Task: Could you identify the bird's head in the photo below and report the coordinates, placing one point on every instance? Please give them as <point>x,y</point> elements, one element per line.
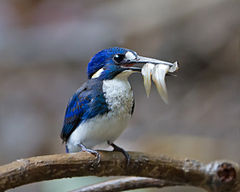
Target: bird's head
<point>109,63</point>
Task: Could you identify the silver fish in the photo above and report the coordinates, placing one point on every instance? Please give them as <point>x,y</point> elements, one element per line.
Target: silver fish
<point>147,73</point>
<point>157,73</point>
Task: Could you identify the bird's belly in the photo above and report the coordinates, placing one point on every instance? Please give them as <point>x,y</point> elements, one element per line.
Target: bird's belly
<point>98,130</point>
<point>109,126</point>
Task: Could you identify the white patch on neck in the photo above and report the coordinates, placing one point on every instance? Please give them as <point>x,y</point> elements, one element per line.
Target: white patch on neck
<point>130,56</point>
<point>97,74</point>
<point>124,75</point>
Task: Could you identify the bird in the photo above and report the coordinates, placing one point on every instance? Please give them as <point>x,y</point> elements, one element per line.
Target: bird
<point>99,111</point>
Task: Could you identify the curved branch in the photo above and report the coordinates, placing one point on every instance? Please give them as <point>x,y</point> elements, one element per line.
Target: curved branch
<point>218,175</point>
<point>126,183</point>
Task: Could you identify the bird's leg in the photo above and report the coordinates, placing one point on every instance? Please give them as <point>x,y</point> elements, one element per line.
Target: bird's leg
<point>98,157</point>
<point>119,149</point>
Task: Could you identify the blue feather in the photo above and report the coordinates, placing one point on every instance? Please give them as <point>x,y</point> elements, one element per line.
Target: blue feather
<point>87,102</point>
<point>104,57</point>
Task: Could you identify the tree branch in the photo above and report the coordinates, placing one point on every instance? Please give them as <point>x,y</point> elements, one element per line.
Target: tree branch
<point>215,176</point>
<point>126,183</point>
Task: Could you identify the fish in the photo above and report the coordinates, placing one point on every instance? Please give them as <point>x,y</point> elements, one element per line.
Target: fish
<point>157,73</point>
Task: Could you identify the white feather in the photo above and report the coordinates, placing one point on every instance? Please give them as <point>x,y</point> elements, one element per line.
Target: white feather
<point>129,55</point>
<point>98,73</point>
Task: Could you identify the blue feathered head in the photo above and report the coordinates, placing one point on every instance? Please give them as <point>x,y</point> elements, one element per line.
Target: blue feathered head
<point>107,63</point>
<point>109,56</point>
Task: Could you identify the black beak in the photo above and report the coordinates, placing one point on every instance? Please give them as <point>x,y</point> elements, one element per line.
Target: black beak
<point>143,60</point>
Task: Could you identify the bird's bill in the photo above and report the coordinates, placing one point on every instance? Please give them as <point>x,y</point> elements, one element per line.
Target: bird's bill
<point>140,60</point>
<point>143,60</point>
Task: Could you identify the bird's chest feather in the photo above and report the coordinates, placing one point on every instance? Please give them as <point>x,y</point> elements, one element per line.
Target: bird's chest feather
<point>107,127</point>
<point>119,96</point>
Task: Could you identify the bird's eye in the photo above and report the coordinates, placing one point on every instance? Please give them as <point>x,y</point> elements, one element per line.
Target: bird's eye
<point>118,58</point>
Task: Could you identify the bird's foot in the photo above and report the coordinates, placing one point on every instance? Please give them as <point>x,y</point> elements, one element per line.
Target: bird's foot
<point>97,155</point>
<point>119,149</point>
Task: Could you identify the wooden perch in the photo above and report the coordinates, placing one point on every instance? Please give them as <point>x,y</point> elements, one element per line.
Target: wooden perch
<point>216,176</point>
<point>126,183</point>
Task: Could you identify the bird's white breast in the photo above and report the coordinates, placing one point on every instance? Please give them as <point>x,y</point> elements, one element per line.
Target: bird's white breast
<point>107,127</point>
<point>119,95</point>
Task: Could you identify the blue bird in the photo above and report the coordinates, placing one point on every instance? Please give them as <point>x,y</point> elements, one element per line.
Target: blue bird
<point>100,109</point>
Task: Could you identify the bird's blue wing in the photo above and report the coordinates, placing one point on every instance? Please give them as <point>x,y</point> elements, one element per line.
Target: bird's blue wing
<point>87,102</point>
<point>74,112</point>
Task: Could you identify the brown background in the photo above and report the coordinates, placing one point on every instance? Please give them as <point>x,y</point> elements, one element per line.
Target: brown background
<point>45,46</point>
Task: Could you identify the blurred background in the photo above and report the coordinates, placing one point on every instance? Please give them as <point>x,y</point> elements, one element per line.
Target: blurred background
<point>45,46</point>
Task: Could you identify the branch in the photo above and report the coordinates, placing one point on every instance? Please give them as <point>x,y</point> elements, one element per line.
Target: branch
<point>126,183</point>
<point>216,176</point>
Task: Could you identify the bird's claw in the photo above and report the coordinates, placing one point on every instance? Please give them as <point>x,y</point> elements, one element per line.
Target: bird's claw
<point>97,160</point>
<point>119,149</point>
<point>97,155</point>
<point>127,156</point>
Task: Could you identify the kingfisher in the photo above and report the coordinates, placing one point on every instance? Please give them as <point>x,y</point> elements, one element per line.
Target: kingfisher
<point>100,109</point>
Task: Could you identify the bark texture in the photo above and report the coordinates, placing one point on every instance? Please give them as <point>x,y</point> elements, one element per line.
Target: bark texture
<point>216,176</point>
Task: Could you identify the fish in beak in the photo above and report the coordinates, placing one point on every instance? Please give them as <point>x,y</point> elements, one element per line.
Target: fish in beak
<point>155,70</point>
